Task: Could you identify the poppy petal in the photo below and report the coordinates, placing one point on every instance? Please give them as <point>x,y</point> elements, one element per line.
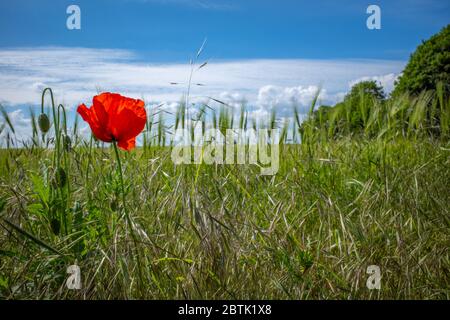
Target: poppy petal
<point>127,144</point>
<point>129,119</point>
<point>115,117</point>
<point>107,103</point>
<point>84,112</point>
<point>100,109</point>
<point>96,127</point>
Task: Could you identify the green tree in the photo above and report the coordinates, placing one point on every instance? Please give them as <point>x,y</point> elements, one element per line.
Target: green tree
<point>359,103</point>
<point>350,115</point>
<point>428,65</point>
<point>366,88</point>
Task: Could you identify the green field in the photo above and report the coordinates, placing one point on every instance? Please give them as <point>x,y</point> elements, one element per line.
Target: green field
<point>341,201</point>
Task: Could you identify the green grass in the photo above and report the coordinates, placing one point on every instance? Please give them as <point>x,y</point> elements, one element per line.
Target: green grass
<point>335,207</point>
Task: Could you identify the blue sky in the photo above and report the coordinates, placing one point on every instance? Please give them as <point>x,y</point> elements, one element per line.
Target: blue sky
<point>170,30</point>
<point>268,53</point>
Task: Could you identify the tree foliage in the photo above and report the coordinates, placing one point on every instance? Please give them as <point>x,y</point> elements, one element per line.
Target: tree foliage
<point>428,65</point>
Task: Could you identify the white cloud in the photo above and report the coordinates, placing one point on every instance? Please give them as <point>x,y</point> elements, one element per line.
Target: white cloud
<point>387,81</point>
<point>18,119</point>
<point>21,125</point>
<point>281,97</point>
<point>234,99</point>
<point>77,74</point>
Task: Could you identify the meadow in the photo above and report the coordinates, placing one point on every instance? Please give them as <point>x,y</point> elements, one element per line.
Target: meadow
<point>144,228</point>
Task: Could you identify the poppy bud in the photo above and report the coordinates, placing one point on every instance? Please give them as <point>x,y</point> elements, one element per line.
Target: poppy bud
<point>44,122</point>
<point>59,178</point>
<point>67,142</point>
<point>55,225</point>
<point>113,205</point>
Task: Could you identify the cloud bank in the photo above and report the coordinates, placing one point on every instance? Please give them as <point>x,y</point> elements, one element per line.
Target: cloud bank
<point>76,74</point>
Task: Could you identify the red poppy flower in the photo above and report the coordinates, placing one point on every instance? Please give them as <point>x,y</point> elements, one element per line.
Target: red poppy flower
<point>115,117</point>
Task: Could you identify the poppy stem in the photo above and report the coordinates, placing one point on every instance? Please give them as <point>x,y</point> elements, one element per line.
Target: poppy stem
<point>127,216</point>
<point>119,164</point>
